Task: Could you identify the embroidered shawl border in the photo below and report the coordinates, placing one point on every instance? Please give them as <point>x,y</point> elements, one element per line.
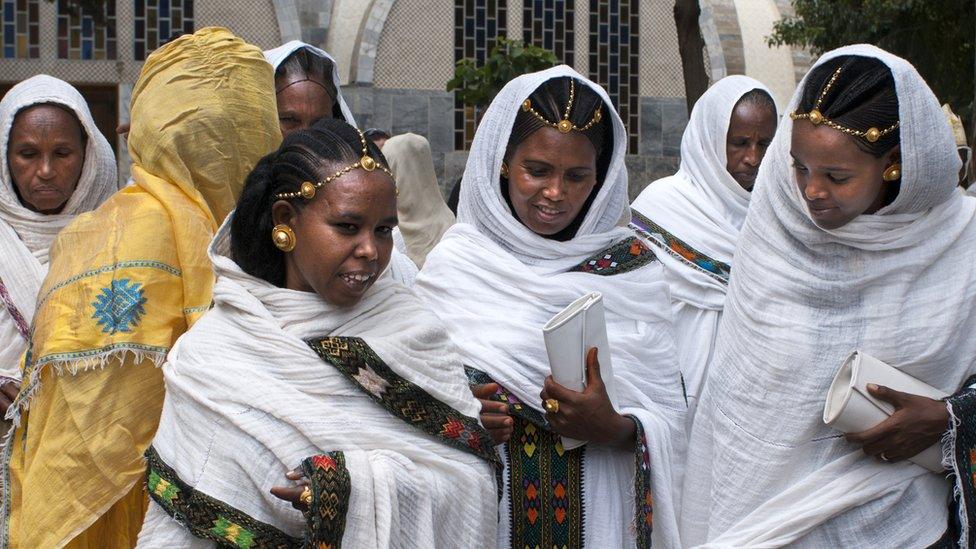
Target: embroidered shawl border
<point>405,400</point>
<point>207,517</point>
<point>679,249</point>
<point>960,447</point>
<point>624,256</point>
<point>19,319</point>
<point>331,486</point>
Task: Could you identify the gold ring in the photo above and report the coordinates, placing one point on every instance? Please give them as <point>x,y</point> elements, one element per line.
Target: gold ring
<point>551,405</point>
<point>306,496</point>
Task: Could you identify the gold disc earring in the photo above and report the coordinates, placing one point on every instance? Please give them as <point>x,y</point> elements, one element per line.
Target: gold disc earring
<point>505,170</point>
<point>283,237</point>
<point>892,173</point>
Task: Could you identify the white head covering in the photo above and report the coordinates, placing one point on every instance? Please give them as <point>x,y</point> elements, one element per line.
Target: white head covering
<point>702,204</point>
<point>494,283</point>
<point>25,235</point>
<point>278,55</point>
<point>899,285</point>
<point>483,206</point>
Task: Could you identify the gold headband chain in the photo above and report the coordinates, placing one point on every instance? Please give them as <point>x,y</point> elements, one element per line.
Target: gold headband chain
<point>366,162</point>
<point>816,117</point>
<point>565,125</point>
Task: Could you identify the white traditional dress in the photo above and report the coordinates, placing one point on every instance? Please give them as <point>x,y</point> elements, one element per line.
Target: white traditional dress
<point>693,218</point>
<point>900,285</point>
<point>495,283</point>
<point>271,377</point>
<point>25,235</point>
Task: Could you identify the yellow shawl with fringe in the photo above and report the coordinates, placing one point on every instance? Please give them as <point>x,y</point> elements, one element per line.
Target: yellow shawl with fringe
<point>125,282</point>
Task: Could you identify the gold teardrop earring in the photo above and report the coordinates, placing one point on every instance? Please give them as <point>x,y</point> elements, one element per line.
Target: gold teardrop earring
<point>505,170</point>
<point>283,237</point>
<point>892,173</point>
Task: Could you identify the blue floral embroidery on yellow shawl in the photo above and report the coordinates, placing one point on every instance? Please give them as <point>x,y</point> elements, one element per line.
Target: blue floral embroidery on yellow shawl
<point>120,306</point>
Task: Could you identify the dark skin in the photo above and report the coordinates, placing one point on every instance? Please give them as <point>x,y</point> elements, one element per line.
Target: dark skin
<point>344,238</point>
<point>551,174</point>
<point>918,422</point>
<point>751,130</point>
<point>302,104</point>
<point>46,154</point>
<point>7,395</point>
<point>838,180</point>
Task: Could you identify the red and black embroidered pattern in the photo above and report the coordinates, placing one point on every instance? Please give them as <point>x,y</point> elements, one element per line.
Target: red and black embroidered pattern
<point>19,320</point>
<point>624,256</point>
<point>331,486</point>
<point>644,520</point>
<point>207,517</point>
<point>405,400</point>
<point>679,249</point>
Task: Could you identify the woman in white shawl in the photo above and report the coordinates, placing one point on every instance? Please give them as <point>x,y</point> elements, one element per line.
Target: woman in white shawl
<point>55,165</point>
<point>861,241</point>
<point>307,89</point>
<point>542,221</point>
<point>695,215</point>
<point>313,356</point>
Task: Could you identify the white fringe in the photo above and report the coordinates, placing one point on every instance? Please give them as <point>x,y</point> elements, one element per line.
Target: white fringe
<point>948,443</point>
<point>72,367</point>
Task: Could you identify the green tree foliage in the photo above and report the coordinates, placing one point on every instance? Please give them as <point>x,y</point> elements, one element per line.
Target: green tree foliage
<point>507,59</point>
<point>937,36</point>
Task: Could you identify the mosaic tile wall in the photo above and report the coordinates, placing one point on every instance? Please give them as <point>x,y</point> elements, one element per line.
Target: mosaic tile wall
<point>19,32</point>
<point>549,24</point>
<point>477,24</point>
<point>157,21</point>
<point>82,35</point>
<point>613,51</point>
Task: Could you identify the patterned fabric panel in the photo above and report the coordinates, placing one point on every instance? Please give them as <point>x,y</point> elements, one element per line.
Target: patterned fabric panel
<point>515,406</point>
<point>8,304</point>
<point>358,363</point>
<point>644,519</point>
<point>207,517</point>
<point>679,249</point>
<point>624,256</point>
<point>331,486</point>
<point>546,483</point>
<point>964,504</point>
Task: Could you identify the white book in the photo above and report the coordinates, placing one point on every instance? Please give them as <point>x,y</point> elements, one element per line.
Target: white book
<point>569,336</point>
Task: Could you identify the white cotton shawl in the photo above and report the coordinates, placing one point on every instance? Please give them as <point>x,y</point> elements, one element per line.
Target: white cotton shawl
<point>247,400</point>
<point>278,55</point>
<point>702,204</point>
<point>25,235</point>
<point>764,470</point>
<point>495,283</point>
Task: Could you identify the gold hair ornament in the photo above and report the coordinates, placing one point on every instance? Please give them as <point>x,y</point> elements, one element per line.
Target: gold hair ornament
<point>816,117</point>
<point>565,125</point>
<point>366,162</point>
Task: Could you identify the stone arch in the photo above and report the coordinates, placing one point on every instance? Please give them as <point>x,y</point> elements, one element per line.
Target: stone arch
<point>364,60</point>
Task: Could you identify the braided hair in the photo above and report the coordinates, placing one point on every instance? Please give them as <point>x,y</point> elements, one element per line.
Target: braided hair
<point>862,97</point>
<point>306,155</point>
<point>303,63</point>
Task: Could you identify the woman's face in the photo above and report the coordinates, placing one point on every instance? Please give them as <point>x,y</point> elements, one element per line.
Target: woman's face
<point>46,154</point>
<point>343,236</point>
<point>551,174</point>
<point>751,130</point>
<point>837,179</point>
<point>301,104</point>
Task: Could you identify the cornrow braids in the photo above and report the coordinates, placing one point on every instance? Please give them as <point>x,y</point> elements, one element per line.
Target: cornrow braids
<point>862,96</point>
<point>304,64</point>
<point>306,155</point>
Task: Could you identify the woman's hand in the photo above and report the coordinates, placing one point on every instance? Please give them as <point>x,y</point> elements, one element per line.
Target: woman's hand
<point>588,415</point>
<point>918,422</point>
<point>292,494</point>
<point>8,392</point>
<point>494,414</point>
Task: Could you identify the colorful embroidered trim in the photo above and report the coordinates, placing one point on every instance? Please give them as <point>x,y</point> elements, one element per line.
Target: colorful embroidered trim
<point>331,486</point>
<point>679,249</point>
<point>545,480</point>
<point>624,256</point>
<point>19,320</point>
<point>644,519</point>
<point>206,517</point>
<point>358,363</point>
<point>138,263</point>
<point>546,488</point>
<point>963,507</point>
